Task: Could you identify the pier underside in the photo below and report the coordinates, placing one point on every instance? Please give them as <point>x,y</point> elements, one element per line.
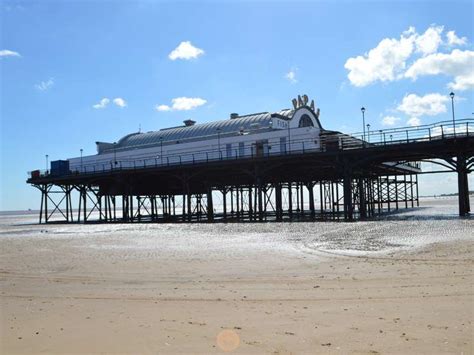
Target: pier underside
<point>288,201</point>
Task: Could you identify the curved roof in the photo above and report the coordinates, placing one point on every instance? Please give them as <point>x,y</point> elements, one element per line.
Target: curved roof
<point>255,122</point>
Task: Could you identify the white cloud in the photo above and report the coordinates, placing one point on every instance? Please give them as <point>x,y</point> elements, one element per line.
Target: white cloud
<point>120,102</point>
<point>45,85</point>
<point>162,108</point>
<point>389,60</point>
<point>291,76</point>
<point>102,104</point>
<point>9,53</point>
<point>187,103</point>
<point>430,105</point>
<point>185,50</point>
<point>414,121</point>
<point>383,63</point>
<point>459,64</point>
<point>390,120</point>
<point>429,41</point>
<point>182,104</point>
<point>454,40</point>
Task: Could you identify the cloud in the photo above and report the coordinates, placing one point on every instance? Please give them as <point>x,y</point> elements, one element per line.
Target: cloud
<point>9,53</point>
<point>458,64</point>
<point>45,85</point>
<point>120,102</point>
<point>383,63</point>
<point>291,76</point>
<point>182,104</point>
<point>429,41</point>
<point>102,104</point>
<point>390,120</point>
<point>428,105</point>
<point>106,101</point>
<point>413,55</point>
<point>162,108</point>
<point>185,50</point>
<point>414,121</point>
<point>454,40</point>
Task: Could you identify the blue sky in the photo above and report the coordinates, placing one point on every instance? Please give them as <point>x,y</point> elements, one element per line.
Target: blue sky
<point>60,60</point>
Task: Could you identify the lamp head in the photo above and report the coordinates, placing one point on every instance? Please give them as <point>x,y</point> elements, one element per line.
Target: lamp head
<point>451,94</point>
<point>362,109</point>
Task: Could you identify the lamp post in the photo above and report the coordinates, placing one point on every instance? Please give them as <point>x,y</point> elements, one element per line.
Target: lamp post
<point>452,110</point>
<point>47,156</point>
<point>81,159</point>
<point>368,132</point>
<point>363,121</point>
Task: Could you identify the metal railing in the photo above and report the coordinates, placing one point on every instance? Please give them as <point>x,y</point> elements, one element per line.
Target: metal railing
<point>402,135</point>
<point>327,142</point>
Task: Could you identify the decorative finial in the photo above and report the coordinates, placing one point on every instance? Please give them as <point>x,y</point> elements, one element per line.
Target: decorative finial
<point>295,103</point>
<point>305,100</point>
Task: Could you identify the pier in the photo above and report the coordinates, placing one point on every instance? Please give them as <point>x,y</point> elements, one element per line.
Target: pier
<point>351,177</point>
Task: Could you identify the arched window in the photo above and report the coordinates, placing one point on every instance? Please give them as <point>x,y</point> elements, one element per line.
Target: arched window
<point>305,121</point>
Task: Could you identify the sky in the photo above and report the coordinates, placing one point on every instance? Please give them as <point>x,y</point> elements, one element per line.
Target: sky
<point>76,72</point>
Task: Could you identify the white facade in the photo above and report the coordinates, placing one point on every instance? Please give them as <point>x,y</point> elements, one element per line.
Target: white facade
<point>287,132</point>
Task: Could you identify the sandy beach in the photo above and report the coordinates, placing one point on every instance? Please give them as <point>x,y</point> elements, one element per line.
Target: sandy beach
<point>401,285</point>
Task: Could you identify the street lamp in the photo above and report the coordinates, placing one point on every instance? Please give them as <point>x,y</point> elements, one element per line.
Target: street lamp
<point>47,156</point>
<point>363,121</point>
<point>81,159</point>
<point>452,109</point>
<point>368,132</point>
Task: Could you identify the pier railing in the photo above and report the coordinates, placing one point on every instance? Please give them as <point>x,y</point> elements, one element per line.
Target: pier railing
<point>402,135</point>
<point>329,141</point>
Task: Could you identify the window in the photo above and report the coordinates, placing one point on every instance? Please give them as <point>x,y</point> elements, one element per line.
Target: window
<point>305,121</point>
<point>283,145</point>
<point>241,149</point>
<point>228,148</point>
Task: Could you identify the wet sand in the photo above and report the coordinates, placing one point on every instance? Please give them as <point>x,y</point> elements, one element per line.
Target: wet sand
<point>366,287</point>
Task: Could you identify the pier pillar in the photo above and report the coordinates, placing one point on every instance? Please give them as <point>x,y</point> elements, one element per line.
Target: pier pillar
<point>278,202</point>
<point>463,186</point>
<point>260,199</point>
<point>290,200</point>
<point>84,203</point>
<point>310,186</point>
<point>224,202</point>
<point>362,199</point>
<point>210,207</point>
<point>347,187</point>
<point>250,204</point>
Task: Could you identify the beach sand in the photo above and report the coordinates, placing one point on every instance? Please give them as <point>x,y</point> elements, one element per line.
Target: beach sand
<point>403,285</point>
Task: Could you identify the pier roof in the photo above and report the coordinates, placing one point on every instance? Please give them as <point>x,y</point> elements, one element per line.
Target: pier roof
<point>258,122</point>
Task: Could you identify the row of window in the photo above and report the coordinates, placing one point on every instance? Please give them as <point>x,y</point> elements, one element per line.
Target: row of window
<point>257,147</point>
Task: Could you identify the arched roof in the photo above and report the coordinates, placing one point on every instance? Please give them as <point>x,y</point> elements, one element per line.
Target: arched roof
<point>256,123</point>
